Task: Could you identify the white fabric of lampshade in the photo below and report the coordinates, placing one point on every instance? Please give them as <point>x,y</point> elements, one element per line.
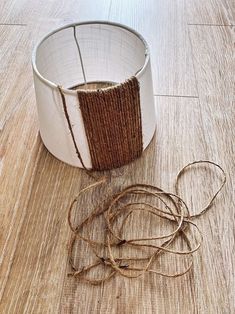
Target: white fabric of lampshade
<point>110,52</point>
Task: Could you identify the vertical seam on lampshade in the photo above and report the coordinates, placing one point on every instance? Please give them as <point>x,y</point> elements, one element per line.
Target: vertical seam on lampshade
<point>113,126</point>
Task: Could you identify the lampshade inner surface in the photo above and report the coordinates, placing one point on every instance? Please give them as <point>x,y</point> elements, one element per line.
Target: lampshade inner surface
<point>107,52</point>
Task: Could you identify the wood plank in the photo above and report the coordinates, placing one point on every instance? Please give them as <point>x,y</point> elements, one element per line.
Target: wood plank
<point>37,268</point>
<point>214,68</point>
<point>17,158</point>
<point>13,61</point>
<point>29,11</point>
<point>20,146</point>
<point>22,160</point>
<point>164,25</point>
<point>214,12</point>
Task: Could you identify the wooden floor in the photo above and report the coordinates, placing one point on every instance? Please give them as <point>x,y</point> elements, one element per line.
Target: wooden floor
<point>192,51</point>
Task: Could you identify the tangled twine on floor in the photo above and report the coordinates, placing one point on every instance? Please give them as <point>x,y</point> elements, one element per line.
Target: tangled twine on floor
<point>178,214</point>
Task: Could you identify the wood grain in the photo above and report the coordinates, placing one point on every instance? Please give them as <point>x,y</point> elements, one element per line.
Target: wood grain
<point>188,60</point>
<point>164,25</point>
<point>12,66</point>
<point>29,11</point>
<point>211,12</point>
<point>214,69</point>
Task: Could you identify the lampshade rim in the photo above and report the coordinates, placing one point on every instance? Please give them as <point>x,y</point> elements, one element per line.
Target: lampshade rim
<point>73,92</point>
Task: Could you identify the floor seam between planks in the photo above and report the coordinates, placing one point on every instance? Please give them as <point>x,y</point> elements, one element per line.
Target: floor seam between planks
<point>13,24</point>
<point>203,24</point>
<point>178,96</point>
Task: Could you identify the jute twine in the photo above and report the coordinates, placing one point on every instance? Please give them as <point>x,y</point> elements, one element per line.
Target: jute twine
<point>120,205</point>
<point>112,121</point>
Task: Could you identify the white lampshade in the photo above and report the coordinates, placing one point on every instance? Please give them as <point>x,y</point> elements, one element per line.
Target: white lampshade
<point>110,52</point>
